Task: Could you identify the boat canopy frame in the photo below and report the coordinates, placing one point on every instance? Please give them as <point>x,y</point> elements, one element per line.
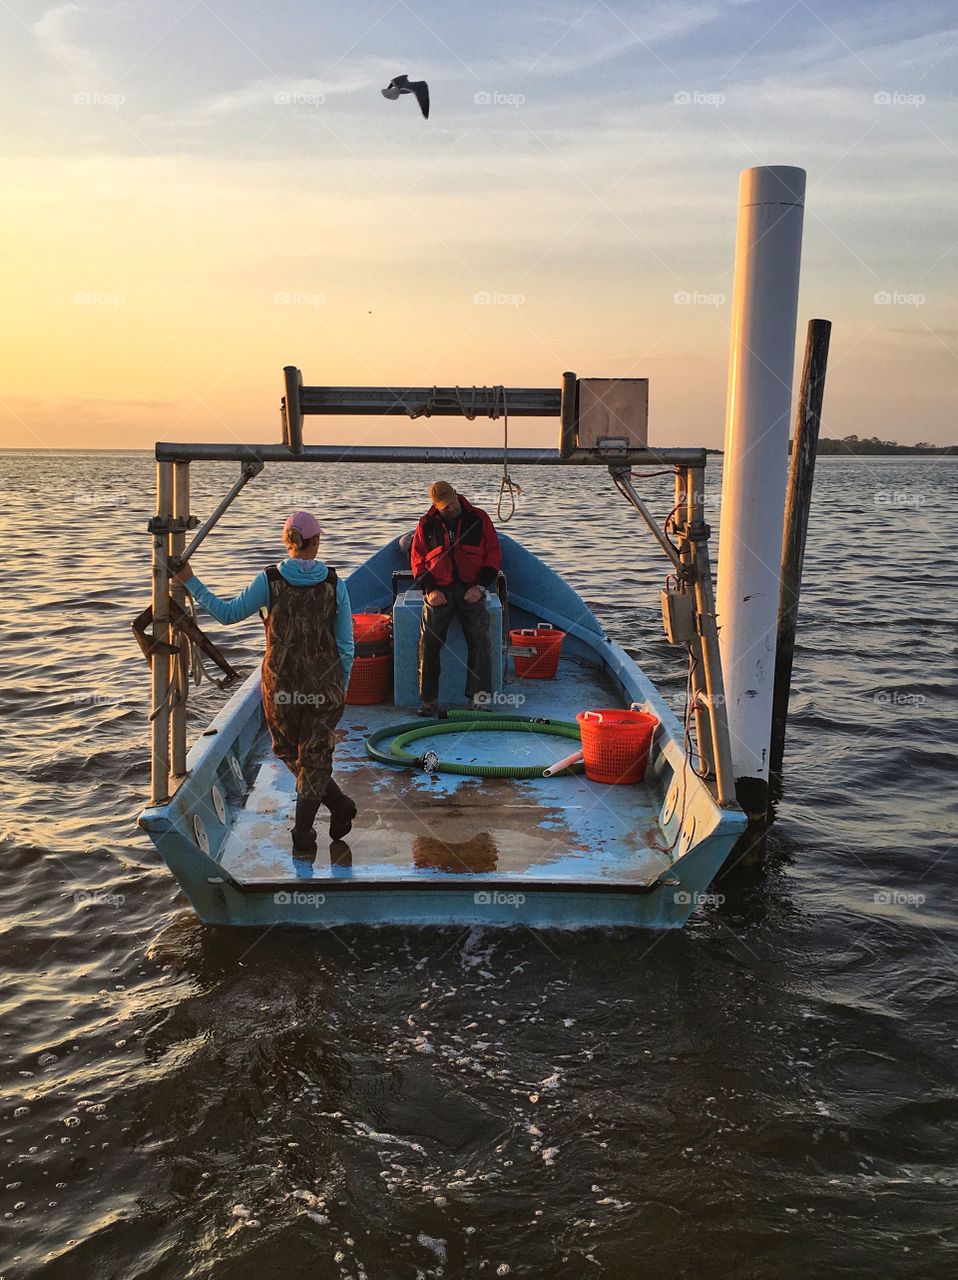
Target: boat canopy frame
<point>688,554</point>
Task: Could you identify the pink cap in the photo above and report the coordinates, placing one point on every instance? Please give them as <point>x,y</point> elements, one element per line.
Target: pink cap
<point>306,524</point>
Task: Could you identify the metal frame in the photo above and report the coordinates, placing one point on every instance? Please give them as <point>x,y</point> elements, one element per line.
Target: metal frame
<point>169,451</point>
<point>160,667</point>
<point>523,402</point>
<point>689,557</point>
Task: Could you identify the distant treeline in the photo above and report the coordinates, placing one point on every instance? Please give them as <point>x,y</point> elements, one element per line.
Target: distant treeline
<point>871,444</point>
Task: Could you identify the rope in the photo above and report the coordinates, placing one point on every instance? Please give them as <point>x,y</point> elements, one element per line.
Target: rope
<point>177,690</point>
<point>687,718</point>
<point>690,705</point>
<point>165,703</point>
<point>496,406</point>
<point>189,662</point>
<point>197,671</point>
<point>188,665</point>
<point>506,485</point>
<point>426,410</point>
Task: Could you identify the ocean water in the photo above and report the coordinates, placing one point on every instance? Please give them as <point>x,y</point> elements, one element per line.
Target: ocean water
<point>771,1092</point>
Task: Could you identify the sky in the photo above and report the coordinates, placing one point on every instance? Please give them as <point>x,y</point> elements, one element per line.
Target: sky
<point>195,194</point>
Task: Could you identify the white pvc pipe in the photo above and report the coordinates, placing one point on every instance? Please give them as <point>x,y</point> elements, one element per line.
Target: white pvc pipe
<point>764,308</point>
<point>565,763</point>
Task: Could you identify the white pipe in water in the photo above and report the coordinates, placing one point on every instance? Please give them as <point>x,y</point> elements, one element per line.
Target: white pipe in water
<point>764,308</point>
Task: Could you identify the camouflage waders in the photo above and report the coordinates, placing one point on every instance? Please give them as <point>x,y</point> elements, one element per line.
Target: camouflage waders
<point>303,695</point>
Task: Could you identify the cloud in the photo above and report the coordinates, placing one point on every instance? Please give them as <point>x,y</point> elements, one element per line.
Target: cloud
<point>267,92</point>
<point>53,35</point>
<point>597,35</point>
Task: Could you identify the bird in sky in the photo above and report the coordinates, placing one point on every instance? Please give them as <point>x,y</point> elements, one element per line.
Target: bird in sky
<point>402,84</point>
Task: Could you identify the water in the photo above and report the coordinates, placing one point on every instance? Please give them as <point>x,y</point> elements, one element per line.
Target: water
<point>771,1092</point>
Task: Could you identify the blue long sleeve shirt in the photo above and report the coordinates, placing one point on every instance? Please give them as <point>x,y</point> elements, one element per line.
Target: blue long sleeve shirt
<point>256,597</point>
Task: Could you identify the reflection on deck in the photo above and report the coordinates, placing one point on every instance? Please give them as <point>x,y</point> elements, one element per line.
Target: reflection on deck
<point>415,829</point>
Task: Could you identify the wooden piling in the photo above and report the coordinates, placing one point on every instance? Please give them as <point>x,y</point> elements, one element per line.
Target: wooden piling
<point>808,416</point>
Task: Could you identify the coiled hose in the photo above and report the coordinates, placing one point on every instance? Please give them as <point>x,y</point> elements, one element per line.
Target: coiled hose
<point>467,722</point>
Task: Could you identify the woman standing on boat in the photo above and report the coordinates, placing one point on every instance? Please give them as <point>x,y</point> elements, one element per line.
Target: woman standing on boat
<point>309,655</point>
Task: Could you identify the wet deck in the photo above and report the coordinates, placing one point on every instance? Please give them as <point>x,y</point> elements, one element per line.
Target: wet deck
<point>415,829</point>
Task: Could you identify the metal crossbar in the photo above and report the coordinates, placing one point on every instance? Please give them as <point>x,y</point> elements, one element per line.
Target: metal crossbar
<point>524,402</point>
<point>174,451</point>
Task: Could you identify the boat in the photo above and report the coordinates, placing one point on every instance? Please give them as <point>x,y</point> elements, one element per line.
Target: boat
<point>431,847</point>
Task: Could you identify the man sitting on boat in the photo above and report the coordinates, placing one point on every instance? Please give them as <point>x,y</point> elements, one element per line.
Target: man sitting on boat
<point>306,666</point>
<point>455,557</point>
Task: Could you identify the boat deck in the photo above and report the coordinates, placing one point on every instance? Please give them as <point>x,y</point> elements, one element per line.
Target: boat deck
<point>419,830</point>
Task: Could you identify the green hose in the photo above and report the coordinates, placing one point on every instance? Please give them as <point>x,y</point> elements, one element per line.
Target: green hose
<point>466,721</point>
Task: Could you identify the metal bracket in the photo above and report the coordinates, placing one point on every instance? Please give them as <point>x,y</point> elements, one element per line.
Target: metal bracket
<point>172,524</point>
<point>250,468</point>
<point>183,623</point>
<point>146,641</point>
<point>622,479</point>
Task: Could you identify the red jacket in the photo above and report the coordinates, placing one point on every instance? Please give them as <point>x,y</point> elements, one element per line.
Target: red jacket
<point>476,553</point>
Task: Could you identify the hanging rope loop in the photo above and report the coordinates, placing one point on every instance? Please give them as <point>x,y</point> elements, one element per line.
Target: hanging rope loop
<point>496,406</point>
<point>507,486</point>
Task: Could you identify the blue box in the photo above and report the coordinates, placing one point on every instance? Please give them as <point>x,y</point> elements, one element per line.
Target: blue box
<point>407,613</point>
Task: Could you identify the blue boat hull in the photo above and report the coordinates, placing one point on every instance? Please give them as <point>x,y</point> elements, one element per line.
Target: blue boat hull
<point>428,850</point>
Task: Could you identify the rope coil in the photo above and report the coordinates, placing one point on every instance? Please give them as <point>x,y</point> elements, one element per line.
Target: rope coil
<point>496,406</point>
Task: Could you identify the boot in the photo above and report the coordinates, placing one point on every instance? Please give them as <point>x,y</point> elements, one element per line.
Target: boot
<point>341,808</point>
<point>304,844</point>
<point>304,833</point>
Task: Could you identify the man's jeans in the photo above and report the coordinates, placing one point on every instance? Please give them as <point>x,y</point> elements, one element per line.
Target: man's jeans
<point>432,634</point>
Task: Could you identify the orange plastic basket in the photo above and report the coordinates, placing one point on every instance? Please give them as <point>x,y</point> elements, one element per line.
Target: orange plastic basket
<point>372,628</point>
<point>370,680</point>
<point>547,643</point>
<point>616,744</point>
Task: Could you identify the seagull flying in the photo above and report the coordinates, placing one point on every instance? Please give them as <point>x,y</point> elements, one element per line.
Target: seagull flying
<point>402,84</point>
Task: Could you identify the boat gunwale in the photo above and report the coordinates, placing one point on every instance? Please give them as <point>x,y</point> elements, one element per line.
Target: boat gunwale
<point>238,728</point>
<point>450,883</point>
<point>213,745</point>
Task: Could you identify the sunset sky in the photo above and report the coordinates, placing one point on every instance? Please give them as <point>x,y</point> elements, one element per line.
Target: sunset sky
<point>196,194</point>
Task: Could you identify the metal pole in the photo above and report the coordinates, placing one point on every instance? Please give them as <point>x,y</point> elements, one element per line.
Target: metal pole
<point>181,675</point>
<point>568,415</point>
<point>764,306</point>
<point>160,666</point>
<point>444,455</point>
<point>808,417</point>
<point>698,532</point>
<point>293,433</point>
<point>703,725</point>
<point>249,471</point>
<point>623,482</point>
